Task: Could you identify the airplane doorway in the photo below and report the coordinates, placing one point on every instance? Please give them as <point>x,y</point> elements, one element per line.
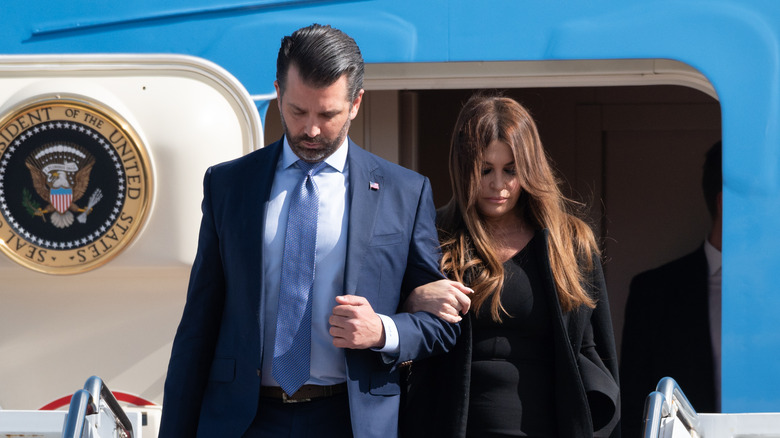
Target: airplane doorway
<point>631,153</point>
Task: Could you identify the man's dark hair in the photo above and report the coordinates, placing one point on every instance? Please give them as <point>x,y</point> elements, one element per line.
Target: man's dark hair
<point>322,55</point>
<point>712,177</point>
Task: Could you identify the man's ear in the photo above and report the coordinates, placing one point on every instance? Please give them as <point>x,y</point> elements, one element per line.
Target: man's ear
<point>278,95</point>
<point>353,111</point>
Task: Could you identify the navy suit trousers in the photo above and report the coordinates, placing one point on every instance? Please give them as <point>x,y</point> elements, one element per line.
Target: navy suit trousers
<point>326,417</point>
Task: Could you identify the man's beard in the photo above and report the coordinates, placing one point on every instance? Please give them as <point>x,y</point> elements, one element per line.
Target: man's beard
<point>326,146</point>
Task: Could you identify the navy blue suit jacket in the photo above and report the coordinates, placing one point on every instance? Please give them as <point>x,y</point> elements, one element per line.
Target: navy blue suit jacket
<point>213,377</point>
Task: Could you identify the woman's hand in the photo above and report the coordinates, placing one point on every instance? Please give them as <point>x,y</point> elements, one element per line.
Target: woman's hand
<point>446,299</point>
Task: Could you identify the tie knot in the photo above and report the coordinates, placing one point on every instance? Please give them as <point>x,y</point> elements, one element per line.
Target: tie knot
<point>310,169</point>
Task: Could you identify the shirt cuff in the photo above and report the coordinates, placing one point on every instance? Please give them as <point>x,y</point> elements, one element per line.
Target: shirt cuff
<point>392,344</point>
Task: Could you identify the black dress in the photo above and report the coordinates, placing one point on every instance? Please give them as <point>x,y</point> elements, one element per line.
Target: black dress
<point>512,364</point>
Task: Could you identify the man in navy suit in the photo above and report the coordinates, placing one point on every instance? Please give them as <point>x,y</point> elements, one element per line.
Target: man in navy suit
<point>673,319</point>
<point>375,241</point>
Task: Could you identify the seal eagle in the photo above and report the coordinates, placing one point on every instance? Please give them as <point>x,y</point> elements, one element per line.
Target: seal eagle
<point>60,174</point>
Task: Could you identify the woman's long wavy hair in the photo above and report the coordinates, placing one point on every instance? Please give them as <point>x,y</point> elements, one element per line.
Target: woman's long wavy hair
<point>467,244</point>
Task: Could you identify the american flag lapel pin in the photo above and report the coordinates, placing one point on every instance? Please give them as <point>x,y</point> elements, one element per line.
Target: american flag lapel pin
<point>373,185</point>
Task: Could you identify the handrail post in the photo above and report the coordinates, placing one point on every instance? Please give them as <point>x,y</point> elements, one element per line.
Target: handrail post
<point>100,392</point>
<point>671,390</point>
<point>81,405</point>
<point>655,409</point>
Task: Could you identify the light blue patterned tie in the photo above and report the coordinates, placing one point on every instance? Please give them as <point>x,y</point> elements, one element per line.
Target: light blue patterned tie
<point>292,347</point>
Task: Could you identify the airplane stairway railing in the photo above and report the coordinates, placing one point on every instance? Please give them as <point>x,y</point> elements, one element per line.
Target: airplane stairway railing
<point>669,414</point>
<point>96,408</point>
<point>666,403</point>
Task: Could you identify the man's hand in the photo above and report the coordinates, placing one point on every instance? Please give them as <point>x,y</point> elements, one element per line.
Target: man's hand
<point>446,299</point>
<point>354,324</point>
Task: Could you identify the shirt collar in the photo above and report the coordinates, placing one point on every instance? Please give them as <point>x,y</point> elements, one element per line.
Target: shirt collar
<point>337,160</point>
<point>713,257</point>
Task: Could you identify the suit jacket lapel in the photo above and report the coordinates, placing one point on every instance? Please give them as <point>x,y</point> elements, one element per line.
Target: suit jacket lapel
<point>258,194</point>
<point>364,202</point>
<point>266,160</point>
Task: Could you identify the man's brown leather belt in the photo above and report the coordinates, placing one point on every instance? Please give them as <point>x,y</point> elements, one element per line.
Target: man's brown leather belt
<point>304,394</point>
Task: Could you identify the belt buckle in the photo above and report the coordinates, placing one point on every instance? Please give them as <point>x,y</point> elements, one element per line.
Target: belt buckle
<point>287,399</point>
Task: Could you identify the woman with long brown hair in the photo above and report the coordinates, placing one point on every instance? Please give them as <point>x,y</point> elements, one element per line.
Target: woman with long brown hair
<point>537,354</point>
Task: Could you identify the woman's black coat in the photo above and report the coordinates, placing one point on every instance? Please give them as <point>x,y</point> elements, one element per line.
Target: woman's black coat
<point>586,371</point>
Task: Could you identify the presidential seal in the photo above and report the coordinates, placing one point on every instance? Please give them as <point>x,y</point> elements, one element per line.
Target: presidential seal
<point>75,185</point>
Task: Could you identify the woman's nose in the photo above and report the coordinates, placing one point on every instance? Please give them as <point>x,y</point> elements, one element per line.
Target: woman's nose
<point>495,181</point>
